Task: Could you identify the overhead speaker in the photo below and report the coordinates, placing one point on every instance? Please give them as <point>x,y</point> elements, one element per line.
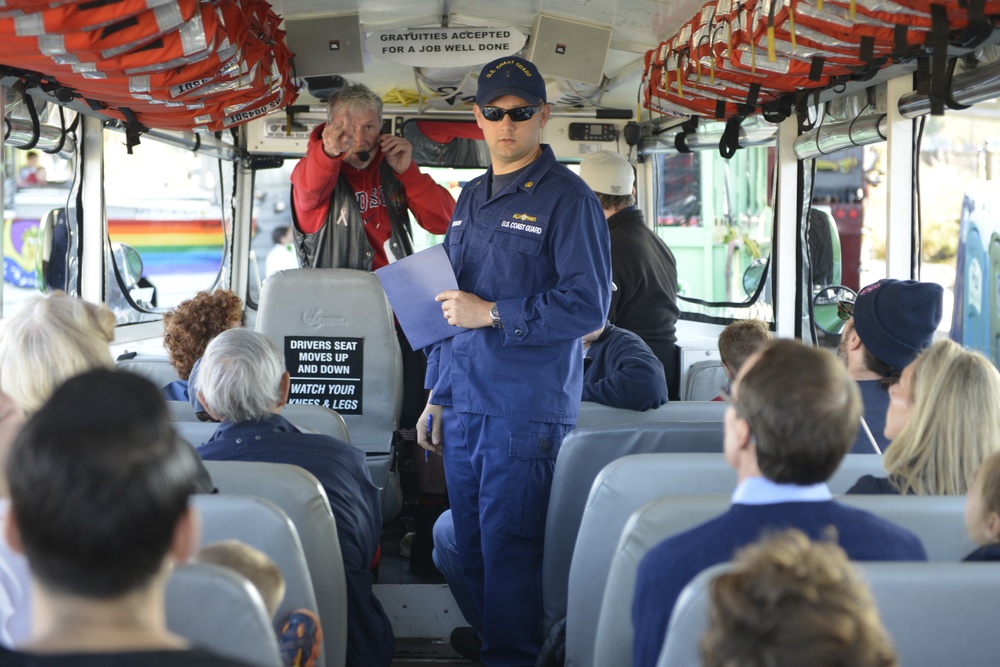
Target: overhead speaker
<point>569,49</point>
<point>325,45</point>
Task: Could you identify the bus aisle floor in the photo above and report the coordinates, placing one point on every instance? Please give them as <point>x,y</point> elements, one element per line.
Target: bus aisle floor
<point>395,568</point>
<point>416,652</point>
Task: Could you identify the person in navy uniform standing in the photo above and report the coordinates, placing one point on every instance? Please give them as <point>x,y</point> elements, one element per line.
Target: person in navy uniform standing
<point>531,252</point>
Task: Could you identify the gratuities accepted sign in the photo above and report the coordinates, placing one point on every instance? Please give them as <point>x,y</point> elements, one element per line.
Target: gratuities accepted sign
<point>444,47</point>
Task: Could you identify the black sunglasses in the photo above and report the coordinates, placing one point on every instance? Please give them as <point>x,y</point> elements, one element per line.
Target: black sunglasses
<point>845,310</point>
<point>517,114</point>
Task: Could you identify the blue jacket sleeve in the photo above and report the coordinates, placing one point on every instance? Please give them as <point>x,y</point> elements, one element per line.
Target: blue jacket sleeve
<point>580,249</point>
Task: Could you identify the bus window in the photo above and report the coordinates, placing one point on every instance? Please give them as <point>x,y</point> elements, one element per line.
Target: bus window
<point>960,236</point>
<point>171,207</point>
<point>715,215</point>
<point>35,183</point>
<point>272,210</point>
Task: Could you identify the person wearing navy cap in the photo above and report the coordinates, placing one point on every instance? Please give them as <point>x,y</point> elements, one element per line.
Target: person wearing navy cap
<point>531,253</point>
<point>893,320</point>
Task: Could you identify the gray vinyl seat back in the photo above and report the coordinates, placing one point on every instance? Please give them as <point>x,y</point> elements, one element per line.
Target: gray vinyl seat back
<point>261,524</point>
<point>181,411</point>
<point>594,414</point>
<point>296,491</point>
<point>219,610</point>
<point>336,330</point>
<point>195,432</point>
<point>626,484</point>
<point>582,455</point>
<point>852,468</point>
<point>154,367</point>
<point>939,522</point>
<point>704,380</point>
<point>310,418</point>
<point>583,645</point>
<point>935,613</point>
<point>318,419</point>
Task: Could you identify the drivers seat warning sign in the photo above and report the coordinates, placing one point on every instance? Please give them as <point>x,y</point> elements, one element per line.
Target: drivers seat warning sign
<point>326,371</point>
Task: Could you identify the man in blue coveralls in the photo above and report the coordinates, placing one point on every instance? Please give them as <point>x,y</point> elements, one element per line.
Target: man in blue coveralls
<point>530,249</point>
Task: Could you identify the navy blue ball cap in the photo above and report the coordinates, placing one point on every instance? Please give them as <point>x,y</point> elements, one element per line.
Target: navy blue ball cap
<point>896,319</point>
<point>510,75</point>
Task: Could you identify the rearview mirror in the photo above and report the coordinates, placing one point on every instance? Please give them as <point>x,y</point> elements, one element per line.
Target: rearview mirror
<point>754,274</point>
<point>830,312</point>
<point>52,258</point>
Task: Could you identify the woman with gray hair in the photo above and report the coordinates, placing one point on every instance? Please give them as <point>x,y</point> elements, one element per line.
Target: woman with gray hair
<point>242,382</point>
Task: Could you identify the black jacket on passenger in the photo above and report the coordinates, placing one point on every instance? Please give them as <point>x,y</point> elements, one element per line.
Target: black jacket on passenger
<point>645,272</point>
<point>871,485</point>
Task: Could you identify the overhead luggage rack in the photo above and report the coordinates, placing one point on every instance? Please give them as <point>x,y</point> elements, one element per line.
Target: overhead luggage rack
<point>738,58</point>
<point>168,64</point>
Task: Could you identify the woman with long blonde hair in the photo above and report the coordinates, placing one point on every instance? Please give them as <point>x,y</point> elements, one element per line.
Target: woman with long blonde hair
<point>943,421</point>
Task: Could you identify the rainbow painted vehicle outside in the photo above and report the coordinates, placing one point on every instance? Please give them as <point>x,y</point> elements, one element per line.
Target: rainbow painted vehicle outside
<point>173,235</point>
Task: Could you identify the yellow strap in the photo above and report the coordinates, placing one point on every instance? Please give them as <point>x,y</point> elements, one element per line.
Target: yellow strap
<point>791,25</point>
<point>854,9</point>
<point>680,86</point>
<point>771,57</point>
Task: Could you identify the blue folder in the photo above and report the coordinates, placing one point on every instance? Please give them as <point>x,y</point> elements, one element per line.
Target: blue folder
<point>411,284</point>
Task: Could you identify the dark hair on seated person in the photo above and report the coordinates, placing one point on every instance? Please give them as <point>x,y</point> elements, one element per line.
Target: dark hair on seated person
<point>803,410</point>
<point>98,482</point>
<point>888,375</point>
<point>615,202</point>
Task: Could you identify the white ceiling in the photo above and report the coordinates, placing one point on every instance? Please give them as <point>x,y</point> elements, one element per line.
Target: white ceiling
<point>637,26</point>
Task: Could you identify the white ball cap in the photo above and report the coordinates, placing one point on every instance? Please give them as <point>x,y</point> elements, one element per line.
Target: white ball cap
<point>608,173</point>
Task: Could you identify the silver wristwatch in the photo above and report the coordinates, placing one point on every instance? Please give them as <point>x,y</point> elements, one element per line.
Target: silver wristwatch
<point>495,314</point>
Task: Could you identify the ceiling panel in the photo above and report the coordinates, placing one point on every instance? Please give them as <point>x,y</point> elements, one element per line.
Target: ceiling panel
<point>637,26</point>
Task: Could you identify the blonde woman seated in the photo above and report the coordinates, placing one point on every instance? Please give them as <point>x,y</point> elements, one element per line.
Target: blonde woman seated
<point>51,339</point>
<point>943,423</point>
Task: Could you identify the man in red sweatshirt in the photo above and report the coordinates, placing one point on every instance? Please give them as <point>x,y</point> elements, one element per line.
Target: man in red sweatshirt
<point>352,190</point>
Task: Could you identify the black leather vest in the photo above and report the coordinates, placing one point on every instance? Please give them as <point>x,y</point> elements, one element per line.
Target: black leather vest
<point>341,243</point>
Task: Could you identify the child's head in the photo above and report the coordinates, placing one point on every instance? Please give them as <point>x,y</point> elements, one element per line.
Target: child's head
<point>738,341</point>
<point>982,503</point>
<point>252,564</point>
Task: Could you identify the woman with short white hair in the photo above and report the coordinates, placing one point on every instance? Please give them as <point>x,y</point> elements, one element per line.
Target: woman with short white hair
<point>51,339</point>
